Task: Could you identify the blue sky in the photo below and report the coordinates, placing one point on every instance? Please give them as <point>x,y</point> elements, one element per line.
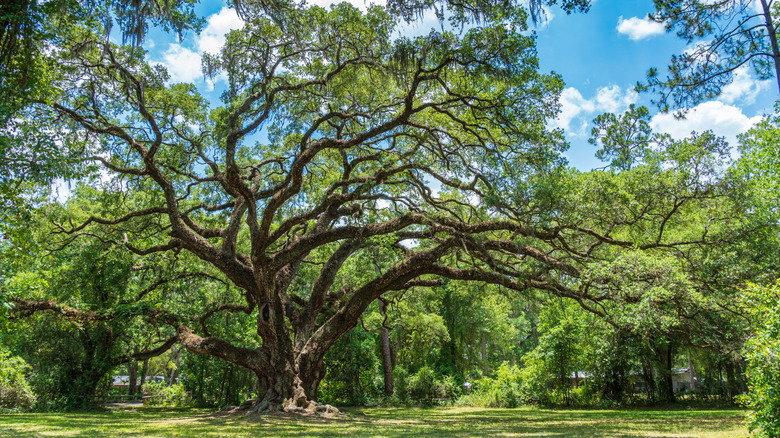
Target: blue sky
<point>601,55</point>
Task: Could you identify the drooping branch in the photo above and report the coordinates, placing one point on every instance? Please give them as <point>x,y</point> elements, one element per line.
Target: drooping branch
<point>213,346</point>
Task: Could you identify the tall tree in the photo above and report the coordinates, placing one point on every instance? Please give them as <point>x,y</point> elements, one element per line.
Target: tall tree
<point>625,138</point>
<point>78,317</point>
<point>726,35</point>
<point>348,168</point>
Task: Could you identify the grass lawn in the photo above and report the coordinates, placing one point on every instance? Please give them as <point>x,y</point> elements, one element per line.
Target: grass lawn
<point>398,422</point>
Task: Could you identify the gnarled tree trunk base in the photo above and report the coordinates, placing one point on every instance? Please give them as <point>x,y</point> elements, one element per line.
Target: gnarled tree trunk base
<point>289,406</point>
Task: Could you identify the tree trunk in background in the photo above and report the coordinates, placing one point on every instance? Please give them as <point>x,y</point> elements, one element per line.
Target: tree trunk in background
<point>144,370</point>
<point>483,351</point>
<point>132,368</point>
<point>664,357</point>
<point>175,358</point>
<point>387,356</point>
<point>647,376</point>
<point>668,379</point>
<point>693,377</point>
<point>732,384</point>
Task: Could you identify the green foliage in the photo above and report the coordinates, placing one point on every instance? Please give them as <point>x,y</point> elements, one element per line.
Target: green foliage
<point>352,367</point>
<point>652,287</point>
<point>465,109</point>
<point>214,382</point>
<point>548,368</point>
<point>71,360</point>
<point>505,390</point>
<point>757,172</point>
<point>763,355</point>
<point>401,382</point>
<point>16,393</point>
<point>423,384</point>
<point>625,138</point>
<point>459,14</point>
<point>163,394</point>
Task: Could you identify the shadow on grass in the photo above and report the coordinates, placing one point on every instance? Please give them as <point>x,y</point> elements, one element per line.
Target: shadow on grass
<point>400,422</point>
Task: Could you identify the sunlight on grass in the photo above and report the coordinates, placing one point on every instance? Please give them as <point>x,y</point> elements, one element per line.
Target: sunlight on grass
<point>400,422</point>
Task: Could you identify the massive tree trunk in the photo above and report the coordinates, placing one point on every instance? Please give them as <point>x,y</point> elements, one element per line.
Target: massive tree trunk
<point>287,378</point>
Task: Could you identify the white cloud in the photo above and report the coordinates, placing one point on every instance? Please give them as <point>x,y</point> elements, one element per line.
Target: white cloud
<point>220,24</point>
<point>639,28</point>
<point>545,18</point>
<point>579,110</point>
<point>183,64</point>
<point>612,99</point>
<point>723,119</point>
<point>744,88</point>
<point>572,105</point>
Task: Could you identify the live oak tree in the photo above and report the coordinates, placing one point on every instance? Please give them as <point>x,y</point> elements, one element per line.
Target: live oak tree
<point>358,125</point>
<point>711,269</point>
<point>337,145</point>
<point>726,35</point>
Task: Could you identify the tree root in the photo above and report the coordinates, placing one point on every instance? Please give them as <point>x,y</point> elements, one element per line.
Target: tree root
<point>289,406</point>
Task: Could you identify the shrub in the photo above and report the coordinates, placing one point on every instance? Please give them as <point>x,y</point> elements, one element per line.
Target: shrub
<point>165,395</point>
<point>449,387</point>
<point>423,384</point>
<point>401,383</point>
<point>505,391</point>
<point>15,391</point>
<point>763,355</point>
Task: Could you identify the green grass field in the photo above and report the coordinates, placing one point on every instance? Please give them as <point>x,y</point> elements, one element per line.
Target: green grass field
<point>406,422</point>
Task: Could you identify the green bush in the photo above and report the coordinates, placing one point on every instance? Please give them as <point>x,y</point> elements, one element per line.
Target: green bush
<point>423,384</point>
<point>15,391</point>
<point>449,387</point>
<point>163,395</point>
<point>504,391</point>
<point>536,381</point>
<point>401,383</point>
<point>763,356</point>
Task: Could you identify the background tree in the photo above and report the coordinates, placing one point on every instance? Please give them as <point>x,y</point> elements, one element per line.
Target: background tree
<point>81,310</point>
<point>625,138</point>
<point>762,354</point>
<point>726,35</point>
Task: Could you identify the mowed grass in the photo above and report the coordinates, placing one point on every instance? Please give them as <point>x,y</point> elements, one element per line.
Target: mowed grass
<point>397,422</point>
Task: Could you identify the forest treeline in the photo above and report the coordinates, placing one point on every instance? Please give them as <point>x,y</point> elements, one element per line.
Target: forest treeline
<point>369,219</point>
